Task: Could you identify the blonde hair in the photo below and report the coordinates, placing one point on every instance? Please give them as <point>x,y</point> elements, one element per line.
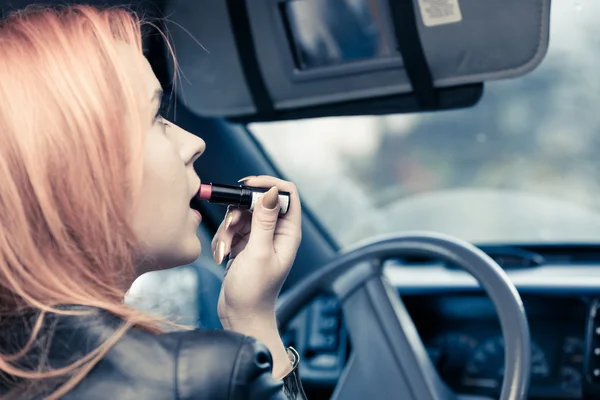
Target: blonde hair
<point>72,124</point>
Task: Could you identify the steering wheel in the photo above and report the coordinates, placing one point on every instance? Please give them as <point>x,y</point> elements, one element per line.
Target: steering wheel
<point>388,359</point>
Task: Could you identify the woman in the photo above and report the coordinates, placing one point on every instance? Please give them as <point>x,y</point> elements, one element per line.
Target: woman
<point>95,191</point>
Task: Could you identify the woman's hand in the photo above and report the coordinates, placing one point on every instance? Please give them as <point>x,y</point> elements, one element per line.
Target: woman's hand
<point>261,246</point>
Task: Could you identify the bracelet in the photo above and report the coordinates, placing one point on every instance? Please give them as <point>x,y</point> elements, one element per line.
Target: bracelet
<point>293,356</point>
<point>292,385</point>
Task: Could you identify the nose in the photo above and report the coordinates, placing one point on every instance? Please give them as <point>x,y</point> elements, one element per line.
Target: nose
<point>190,146</point>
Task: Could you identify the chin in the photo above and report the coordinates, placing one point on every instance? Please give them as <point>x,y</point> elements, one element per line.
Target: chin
<point>186,253</point>
<point>190,252</point>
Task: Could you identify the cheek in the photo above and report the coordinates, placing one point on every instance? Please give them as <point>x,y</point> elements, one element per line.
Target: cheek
<point>164,171</point>
<point>163,210</point>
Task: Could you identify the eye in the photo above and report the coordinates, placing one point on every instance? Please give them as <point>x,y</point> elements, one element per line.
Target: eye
<point>163,109</point>
<point>160,119</point>
<point>160,113</point>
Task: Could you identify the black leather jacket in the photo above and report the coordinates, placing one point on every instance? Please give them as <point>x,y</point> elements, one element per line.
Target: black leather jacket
<point>217,365</point>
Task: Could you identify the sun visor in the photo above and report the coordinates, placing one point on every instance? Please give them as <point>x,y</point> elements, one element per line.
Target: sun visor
<point>264,59</point>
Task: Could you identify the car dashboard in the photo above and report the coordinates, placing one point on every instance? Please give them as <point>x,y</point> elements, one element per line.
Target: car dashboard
<point>460,330</point>
<point>463,339</point>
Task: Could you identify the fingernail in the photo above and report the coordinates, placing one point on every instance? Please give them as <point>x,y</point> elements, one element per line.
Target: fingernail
<point>220,252</point>
<point>271,198</point>
<point>215,255</point>
<point>228,220</point>
<point>246,178</point>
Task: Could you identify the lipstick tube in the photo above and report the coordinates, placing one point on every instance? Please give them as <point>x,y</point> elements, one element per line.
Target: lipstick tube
<point>245,197</point>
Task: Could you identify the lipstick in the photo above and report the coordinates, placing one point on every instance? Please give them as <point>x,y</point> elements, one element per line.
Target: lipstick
<point>242,196</point>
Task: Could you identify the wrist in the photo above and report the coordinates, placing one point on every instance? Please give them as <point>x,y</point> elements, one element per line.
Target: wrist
<point>263,328</point>
<point>248,321</point>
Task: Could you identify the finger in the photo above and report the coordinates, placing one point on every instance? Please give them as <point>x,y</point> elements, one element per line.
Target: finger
<point>289,227</point>
<point>240,229</point>
<point>239,236</point>
<point>230,215</point>
<point>294,213</point>
<point>264,221</point>
<point>243,226</point>
<point>238,245</point>
<point>235,221</point>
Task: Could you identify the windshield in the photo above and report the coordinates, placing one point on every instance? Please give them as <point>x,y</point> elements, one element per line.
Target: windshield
<point>521,166</point>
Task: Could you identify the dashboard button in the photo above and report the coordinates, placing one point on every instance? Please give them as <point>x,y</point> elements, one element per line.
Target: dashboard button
<point>570,381</point>
<point>328,324</point>
<point>323,342</point>
<point>323,328</point>
<point>330,306</point>
<point>324,361</point>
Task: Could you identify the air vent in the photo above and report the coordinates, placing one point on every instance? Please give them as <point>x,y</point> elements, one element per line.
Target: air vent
<point>519,257</point>
<point>514,257</point>
<point>566,253</point>
<point>506,257</point>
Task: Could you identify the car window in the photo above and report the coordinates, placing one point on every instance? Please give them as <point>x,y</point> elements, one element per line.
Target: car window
<point>523,165</point>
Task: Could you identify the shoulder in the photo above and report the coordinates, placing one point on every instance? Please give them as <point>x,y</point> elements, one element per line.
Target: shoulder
<point>228,365</point>
<point>196,364</point>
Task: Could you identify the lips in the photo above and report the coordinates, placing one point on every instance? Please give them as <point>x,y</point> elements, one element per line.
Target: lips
<point>195,200</point>
<point>198,215</point>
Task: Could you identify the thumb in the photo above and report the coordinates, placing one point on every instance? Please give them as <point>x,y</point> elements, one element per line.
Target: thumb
<point>264,220</point>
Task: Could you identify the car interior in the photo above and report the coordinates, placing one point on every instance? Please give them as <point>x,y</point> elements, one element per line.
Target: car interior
<point>446,154</point>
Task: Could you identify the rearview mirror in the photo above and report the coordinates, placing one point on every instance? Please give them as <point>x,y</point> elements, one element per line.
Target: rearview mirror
<point>263,60</point>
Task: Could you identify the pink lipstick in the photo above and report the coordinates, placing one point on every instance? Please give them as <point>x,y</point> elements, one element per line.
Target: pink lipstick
<point>245,197</point>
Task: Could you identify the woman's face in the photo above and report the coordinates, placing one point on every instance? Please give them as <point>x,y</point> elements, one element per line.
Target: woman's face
<point>164,223</point>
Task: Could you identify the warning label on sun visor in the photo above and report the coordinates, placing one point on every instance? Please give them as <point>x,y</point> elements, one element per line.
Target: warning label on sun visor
<point>440,12</point>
